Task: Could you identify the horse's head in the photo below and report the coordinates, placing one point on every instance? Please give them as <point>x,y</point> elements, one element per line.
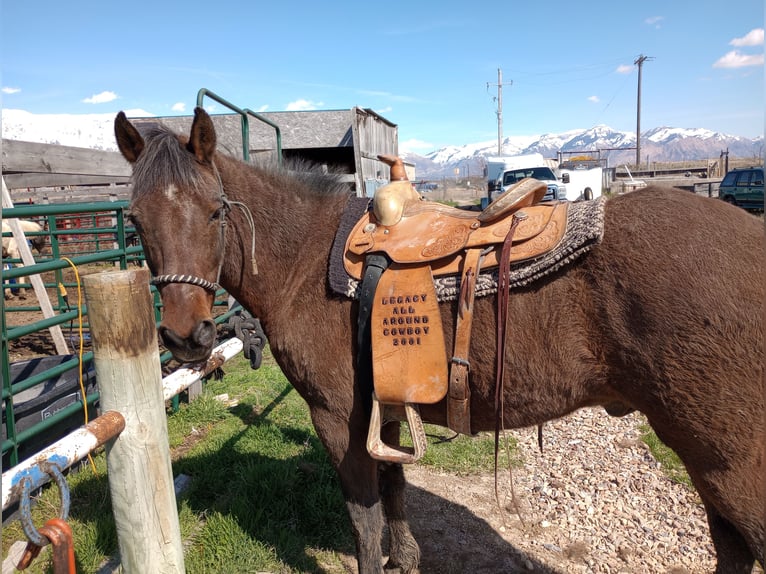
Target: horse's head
<point>179,210</point>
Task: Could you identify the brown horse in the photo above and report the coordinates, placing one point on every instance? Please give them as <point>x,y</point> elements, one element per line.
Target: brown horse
<point>663,316</point>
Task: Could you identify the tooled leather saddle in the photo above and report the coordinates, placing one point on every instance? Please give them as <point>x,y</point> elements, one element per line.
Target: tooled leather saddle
<point>419,241</point>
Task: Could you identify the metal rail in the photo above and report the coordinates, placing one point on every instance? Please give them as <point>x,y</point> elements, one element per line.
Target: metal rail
<point>244,113</point>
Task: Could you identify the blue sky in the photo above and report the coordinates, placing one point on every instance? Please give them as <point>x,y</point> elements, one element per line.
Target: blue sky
<point>429,67</point>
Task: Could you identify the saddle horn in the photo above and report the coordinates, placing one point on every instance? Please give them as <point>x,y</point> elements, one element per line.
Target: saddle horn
<point>389,201</point>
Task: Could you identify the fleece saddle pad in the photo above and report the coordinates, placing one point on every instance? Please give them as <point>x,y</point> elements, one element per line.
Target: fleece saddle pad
<point>584,229</point>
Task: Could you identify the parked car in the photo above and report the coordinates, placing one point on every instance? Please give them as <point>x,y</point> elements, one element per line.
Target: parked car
<point>743,187</point>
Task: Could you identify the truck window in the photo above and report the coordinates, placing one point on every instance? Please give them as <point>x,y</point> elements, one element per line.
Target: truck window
<point>744,179</point>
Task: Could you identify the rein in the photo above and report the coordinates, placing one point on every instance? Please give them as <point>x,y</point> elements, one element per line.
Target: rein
<point>211,286</point>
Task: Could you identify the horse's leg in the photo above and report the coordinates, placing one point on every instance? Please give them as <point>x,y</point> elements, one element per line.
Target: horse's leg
<point>734,555</point>
<point>358,474</point>
<point>22,292</point>
<point>404,552</point>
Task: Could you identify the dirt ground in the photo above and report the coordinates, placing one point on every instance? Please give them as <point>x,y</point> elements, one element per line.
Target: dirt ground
<point>594,501</point>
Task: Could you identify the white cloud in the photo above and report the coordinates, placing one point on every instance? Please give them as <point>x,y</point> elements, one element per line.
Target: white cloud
<point>752,38</point>
<point>101,98</point>
<point>411,145</point>
<point>10,90</point>
<point>736,59</point>
<point>624,69</point>
<point>262,109</point>
<point>654,21</point>
<point>303,105</point>
<point>594,99</point>
<point>179,107</point>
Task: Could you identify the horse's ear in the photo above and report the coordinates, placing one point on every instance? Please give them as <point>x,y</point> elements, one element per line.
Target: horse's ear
<point>129,141</point>
<point>202,138</point>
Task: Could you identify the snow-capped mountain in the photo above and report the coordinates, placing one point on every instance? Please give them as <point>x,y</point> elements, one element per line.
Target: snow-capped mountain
<point>657,144</point>
<point>94,131</point>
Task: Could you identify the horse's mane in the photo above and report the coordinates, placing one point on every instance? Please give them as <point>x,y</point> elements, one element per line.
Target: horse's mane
<point>165,161</point>
<point>314,177</point>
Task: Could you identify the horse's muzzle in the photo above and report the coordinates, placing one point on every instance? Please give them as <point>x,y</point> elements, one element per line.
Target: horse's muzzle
<point>194,348</point>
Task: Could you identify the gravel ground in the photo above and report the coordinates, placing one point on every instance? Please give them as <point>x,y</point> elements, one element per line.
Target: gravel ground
<point>594,500</point>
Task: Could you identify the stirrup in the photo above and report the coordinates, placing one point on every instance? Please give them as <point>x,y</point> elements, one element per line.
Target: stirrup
<point>395,453</point>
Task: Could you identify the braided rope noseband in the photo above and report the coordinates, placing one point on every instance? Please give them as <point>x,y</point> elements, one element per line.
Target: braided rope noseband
<point>190,279</point>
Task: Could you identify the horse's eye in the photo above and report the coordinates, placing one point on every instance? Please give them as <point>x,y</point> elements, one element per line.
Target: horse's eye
<point>217,214</point>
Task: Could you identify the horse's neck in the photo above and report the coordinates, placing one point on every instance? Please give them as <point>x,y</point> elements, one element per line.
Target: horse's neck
<point>293,238</point>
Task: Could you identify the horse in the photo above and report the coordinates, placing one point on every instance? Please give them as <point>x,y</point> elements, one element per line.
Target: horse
<point>11,248</point>
<point>661,316</point>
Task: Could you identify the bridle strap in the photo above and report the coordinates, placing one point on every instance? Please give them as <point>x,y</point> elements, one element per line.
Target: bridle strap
<point>227,203</point>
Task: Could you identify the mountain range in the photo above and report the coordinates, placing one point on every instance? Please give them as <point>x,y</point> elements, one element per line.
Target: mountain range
<point>662,144</point>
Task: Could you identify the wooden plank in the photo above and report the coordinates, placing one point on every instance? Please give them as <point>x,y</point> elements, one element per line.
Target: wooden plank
<point>19,156</point>
<point>23,180</point>
<point>70,195</point>
<point>36,280</point>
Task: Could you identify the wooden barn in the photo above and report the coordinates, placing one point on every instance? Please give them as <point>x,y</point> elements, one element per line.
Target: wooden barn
<point>347,141</point>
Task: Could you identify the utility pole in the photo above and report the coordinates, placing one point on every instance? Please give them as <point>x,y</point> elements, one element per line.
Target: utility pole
<point>499,109</point>
<point>640,63</point>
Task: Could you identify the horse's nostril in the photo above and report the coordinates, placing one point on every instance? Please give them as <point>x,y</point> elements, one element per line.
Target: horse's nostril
<point>168,337</point>
<point>205,333</point>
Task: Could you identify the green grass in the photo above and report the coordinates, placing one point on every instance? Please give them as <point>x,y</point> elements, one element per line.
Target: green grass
<point>671,464</point>
<point>263,495</point>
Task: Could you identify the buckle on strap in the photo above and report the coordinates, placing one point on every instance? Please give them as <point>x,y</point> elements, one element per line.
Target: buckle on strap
<point>383,413</point>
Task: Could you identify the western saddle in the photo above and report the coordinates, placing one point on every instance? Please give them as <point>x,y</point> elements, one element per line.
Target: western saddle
<point>418,241</point>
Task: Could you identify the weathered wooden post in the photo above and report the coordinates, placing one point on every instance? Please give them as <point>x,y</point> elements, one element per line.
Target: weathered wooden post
<point>127,367</point>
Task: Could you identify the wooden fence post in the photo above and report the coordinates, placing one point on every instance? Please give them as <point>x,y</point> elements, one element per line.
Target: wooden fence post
<point>127,364</point>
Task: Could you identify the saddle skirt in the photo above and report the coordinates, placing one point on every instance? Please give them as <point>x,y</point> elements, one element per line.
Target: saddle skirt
<point>436,235</point>
<point>583,228</point>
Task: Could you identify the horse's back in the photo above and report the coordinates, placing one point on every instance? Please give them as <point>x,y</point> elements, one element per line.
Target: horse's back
<point>672,235</point>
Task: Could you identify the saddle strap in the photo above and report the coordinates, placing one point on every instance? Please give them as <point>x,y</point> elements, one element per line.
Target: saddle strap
<point>375,265</point>
<point>503,285</point>
<point>459,397</point>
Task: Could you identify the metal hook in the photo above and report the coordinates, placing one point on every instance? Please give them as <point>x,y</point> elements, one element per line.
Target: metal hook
<point>25,506</point>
